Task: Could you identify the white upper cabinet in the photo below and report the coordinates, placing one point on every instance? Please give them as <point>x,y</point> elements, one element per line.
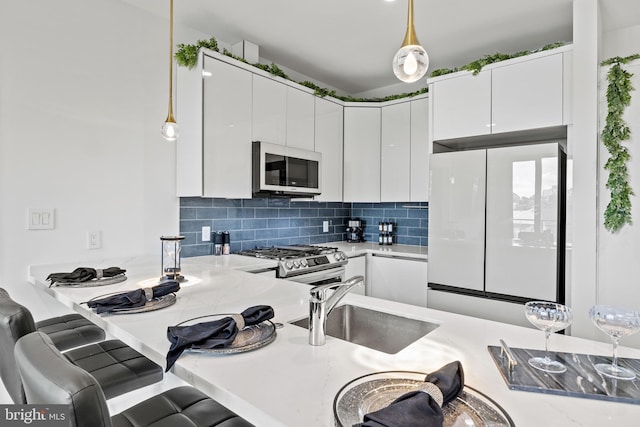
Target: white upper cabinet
<point>300,119</point>
<point>214,149</point>
<point>527,95</point>
<point>269,111</point>
<point>328,141</point>
<point>226,131</point>
<point>420,150</point>
<point>520,94</point>
<point>395,173</point>
<point>362,154</point>
<point>461,106</point>
<point>282,114</point>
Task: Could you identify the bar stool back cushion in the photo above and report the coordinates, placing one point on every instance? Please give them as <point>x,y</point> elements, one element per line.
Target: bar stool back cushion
<point>15,321</point>
<point>49,378</point>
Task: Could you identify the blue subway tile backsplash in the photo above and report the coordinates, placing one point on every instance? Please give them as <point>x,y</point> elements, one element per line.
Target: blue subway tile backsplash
<point>281,221</point>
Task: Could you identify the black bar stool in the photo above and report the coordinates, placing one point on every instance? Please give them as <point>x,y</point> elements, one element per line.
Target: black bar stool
<point>49,378</point>
<point>116,367</point>
<point>68,331</point>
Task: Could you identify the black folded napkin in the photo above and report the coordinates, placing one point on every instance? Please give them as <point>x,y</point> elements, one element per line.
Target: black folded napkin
<point>84,274</point>
<point>417,408</point>
<point>132,299</point>
<point>215,334</point>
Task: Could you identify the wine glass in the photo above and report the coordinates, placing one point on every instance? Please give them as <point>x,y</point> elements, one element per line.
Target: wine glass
<point>548,317</point>
<point>617,322</point>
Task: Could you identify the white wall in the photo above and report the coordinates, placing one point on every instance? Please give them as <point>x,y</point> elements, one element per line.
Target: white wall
<point>83,94</point>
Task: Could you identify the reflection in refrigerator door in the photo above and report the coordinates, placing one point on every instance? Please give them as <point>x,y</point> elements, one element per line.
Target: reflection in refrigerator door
<point>522,221</point>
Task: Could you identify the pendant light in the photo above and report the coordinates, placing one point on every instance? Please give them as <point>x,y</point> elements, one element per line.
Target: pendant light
<point>411,61</point>
<point>170,129</point>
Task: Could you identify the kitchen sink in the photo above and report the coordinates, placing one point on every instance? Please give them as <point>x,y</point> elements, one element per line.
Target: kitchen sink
<point>373,329</point>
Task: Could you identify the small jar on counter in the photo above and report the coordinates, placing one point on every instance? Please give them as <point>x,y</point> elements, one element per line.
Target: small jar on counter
<point>226,243</point>
<point>217,243</point>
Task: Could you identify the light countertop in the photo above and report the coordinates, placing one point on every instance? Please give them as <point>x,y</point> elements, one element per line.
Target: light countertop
<point>355,249</point>
<point>290,383</point>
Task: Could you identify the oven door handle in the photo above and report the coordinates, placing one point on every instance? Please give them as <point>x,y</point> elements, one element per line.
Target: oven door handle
<point>317,276</point>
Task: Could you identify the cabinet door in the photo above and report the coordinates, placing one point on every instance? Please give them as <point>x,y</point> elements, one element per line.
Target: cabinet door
<point>461,106</point>
<point>457,219</point>
<point>362,154</point>
<point>357,266</point>
<point>420,151</point>
<point>328,141</point>
<point>398,279</point>
<point>300,119</point>
<point>395,162</point>
<point>527,95</point>
<point>226,145</point>
<point>522,221</point>
<point>269,110</point>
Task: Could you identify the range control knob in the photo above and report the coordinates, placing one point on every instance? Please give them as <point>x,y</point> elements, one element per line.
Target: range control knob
<point>303,262</point>
<point>288,265</point>
<point>336,256</point>
<point>296,264</point>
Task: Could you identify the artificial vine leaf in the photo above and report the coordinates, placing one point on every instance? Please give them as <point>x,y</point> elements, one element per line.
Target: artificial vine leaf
<point>616,130</point>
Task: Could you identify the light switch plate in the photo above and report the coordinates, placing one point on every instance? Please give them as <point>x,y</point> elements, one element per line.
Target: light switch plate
<point>325,226</point>
<point>40,219</point>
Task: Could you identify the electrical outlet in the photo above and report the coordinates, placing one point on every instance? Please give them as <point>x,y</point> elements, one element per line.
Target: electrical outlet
<point>94,240</point>
<point>325,226</point>
<point>206,234</point>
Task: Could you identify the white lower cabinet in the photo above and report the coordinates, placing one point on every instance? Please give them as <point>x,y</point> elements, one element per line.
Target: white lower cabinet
<point>357,266</point>
<point>483,308</point>
<point>397,278</point>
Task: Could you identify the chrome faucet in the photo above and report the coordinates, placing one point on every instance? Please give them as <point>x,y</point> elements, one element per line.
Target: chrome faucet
<point>320,306</point>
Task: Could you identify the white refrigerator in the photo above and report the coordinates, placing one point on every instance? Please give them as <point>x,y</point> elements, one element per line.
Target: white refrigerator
<point>497,223</point>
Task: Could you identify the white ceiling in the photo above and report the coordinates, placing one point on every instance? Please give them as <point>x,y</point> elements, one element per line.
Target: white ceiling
<point>349,44</point>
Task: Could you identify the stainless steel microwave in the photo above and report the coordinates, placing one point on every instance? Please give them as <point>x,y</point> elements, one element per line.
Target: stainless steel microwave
<point>285,171</point>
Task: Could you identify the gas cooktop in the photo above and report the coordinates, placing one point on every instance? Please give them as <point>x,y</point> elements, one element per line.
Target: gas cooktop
<point>299,259</point>
<point>285,252</point>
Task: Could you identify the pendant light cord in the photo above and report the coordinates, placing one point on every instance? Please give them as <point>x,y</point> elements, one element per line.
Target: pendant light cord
<point>170,117</point>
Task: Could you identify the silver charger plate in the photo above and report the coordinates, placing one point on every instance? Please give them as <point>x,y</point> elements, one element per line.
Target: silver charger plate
<point>248,339</point>
<point>376,391</point>
<point>93,282</point>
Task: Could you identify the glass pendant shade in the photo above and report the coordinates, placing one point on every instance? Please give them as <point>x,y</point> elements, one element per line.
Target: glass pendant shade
<point>410,63</point>
<point>170,130</point>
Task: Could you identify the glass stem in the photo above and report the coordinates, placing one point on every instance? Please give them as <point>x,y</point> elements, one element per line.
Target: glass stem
<point>614,362</point>
<point>546,344</point>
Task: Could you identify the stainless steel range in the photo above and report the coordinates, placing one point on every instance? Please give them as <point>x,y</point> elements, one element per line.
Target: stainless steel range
<point>303,263</point>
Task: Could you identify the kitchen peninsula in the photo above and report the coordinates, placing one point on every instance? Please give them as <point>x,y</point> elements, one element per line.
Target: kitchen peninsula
<point>289,382</point>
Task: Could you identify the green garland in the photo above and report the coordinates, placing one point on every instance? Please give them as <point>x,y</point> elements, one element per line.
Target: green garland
<point>187,56</point>
<point>616,130</point>
<point>476,66</point>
